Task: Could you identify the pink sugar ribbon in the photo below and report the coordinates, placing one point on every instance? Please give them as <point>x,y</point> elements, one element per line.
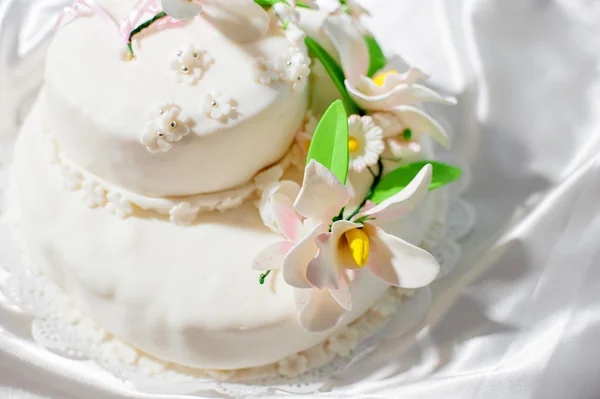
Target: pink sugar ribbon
<point>142,10</point>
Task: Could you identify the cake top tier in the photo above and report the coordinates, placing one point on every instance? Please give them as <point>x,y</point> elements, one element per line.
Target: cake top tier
<point>200,107</point>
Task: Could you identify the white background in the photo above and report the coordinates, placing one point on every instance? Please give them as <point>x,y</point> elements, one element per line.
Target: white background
<point>520,316</point>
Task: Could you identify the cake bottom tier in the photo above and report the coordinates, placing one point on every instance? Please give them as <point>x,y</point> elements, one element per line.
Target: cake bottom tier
<point>184,294</point>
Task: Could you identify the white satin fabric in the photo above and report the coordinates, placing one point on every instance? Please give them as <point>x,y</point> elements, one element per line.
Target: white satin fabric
<point>520,316</point>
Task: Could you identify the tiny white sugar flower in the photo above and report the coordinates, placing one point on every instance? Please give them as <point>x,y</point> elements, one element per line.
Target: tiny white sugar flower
<point>366,142</point>
<point>93,194</point>
<point>189,64</point>
<point>165,128</point>
<point>127,55</point>
<point>217,105</point>
<point>72,177</point>
<point>119,205</point>
<point>265,72</point>
<point>286,13</point>
<point>295,68</point>
<point>183,214</point>
<point>293,366</point>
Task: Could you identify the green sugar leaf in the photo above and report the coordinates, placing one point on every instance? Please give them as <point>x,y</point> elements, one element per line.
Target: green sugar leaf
<point>329,145</point>
<point>397,180</point>
<point>377,58</point>
<point>335,72</point>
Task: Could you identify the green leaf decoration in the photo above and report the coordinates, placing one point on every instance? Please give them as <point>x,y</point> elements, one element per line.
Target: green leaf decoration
<point>397,180</point>
<point>335,72</point>
<point>329,145</point>
<point>270,3</point>
<point>377,58</point>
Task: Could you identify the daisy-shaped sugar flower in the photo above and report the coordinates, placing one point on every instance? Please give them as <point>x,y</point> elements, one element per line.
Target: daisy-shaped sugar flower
<point>217,105</point>
<point>188,64</point>
<point>366,142</point>
<point>165,127</point>
<point>322,250</point>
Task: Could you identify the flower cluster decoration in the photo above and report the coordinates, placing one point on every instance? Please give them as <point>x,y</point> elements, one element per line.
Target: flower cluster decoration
<point>326,242</point>
<point>165,127</point>
<point>218,106</point>
<point>189,64</point>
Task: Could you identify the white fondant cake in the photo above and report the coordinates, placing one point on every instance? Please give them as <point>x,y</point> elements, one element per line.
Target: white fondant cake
<point>154,177</point>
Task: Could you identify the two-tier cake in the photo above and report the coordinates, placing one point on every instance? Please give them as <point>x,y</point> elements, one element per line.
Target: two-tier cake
<point>233,187</point>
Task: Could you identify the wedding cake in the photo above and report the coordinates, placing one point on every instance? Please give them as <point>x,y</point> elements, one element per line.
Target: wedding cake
<point>234,188</point>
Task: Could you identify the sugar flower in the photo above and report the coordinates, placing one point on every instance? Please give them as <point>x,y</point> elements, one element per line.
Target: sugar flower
<point>166,127</point>
<point>385,91</point>
<point>217,105</point>
<point>322,250</point>
<point>119,205</point>
<point>182,9</point>
<point>265,72</point>
<point>366,142</point>
<point>188,64</point>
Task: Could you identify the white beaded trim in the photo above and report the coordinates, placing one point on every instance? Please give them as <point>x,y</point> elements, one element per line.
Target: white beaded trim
<point>97,192</point>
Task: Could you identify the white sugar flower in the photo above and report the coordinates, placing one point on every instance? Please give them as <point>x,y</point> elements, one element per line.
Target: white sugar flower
<point>119,205</point>
<point>183,214</point>
<point>189,64</point>
<point>166,127</point>
<point>72,177</point>
<point>93,194</point>
<point>286,13</point>
<point>283,192</point>
<point>295,68</point>
<point>265,72</point>
<point>293,366</point>
<point>366,142</point>
<point>386,90</point>
<point>320,252</point>
<point>217,105</point>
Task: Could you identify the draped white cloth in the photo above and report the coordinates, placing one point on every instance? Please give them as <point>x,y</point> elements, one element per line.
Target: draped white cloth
<point>520,316</point>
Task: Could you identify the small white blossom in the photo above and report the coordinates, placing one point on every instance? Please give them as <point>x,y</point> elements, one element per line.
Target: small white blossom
<point>217,105</point>
<point>293,366</point>
<point>265,72</point>
<point>189,64</point>
<point>183,214</point>
<point>72,177</point>
<point>119,205</point>
<point>127,55</point>
<point>386,306</point>
<point>344,342</point>
<point>166,127</point>
<point>295,68</point>
<point>123,353</point>
<point>93,194</point>
<point>366,142</point>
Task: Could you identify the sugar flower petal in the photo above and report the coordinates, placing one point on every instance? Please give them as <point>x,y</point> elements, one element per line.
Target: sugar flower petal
<point>400,95</point>
<point>181,9</point>
<point>325,269</point>
<point>398,262</point>
<point>272,256</point>
<point>322,195</point>
<point>296,261</point>
<point>406,200</point>
<point>321,313</point>
<point>287,219</point>
<point>351,46</point>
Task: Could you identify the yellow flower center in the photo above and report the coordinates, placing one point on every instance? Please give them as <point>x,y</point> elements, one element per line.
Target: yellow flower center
<point>379,80</point>
<point>358,241</point>
<point>353,144</point>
